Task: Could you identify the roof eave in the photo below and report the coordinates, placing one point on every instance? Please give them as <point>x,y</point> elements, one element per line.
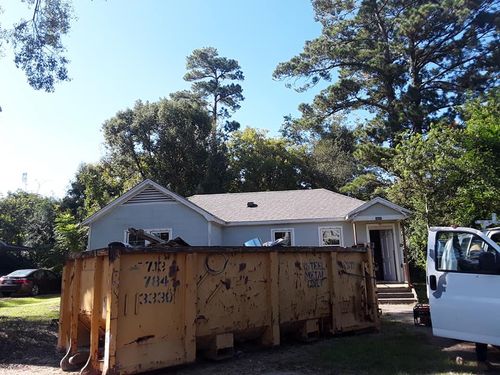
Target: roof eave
<point>283,221</point>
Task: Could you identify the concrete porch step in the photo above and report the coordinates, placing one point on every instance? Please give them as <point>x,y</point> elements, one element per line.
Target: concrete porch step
<point>397,301</point>
<point>396,293</point>
<point>394,290</point>
<point>407,294</point>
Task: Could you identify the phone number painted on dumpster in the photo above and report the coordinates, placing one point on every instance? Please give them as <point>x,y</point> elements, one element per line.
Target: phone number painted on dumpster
<point>159,274</point>
<point>155,297</point>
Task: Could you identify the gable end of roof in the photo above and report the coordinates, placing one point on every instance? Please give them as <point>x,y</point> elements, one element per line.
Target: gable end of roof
<point>150,195</point>
<point>378,200</point>
<point>150,192</point>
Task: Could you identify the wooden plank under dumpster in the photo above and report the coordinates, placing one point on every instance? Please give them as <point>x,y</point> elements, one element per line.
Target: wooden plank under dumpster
<point>127,311</point>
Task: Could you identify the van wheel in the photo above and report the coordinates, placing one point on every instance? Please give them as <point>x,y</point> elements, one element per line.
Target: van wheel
<point>35,290</point>
<point>481,352</point>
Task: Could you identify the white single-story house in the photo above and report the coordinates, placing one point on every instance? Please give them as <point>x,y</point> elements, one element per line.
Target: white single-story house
<point>314,217</point>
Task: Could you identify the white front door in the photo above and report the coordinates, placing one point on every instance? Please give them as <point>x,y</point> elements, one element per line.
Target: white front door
<point>388,254</point>
<point>463,285</point>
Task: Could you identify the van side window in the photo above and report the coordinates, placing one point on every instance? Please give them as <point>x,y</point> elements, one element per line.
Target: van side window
<point>465,252</point>
<point>496,237</point>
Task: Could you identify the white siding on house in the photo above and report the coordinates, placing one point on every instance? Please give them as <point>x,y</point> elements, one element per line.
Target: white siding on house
<point>305,234</point>
<point>216,235</point>
<point>185,223</point>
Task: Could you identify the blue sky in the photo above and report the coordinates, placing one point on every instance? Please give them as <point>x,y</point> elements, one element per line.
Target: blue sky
<point>121,51</point>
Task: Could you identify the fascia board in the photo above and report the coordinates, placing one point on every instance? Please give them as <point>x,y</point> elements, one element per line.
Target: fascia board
<point>378,219</point>
<point>279,222</point>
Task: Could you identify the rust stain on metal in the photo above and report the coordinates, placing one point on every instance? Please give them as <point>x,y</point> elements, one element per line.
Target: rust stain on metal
<point>297,265</point>
<point>113,253</point>
<point>135,304</point>
<point>140,340</point>
<point>226,283</point>
<point>213,293</point>
<point>113,371</point>
<point>172,271</point>
<point>125,305</point>
<point>243,266</point>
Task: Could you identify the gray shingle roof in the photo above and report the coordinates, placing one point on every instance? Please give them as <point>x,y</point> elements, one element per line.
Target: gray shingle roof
<point>285,205</point>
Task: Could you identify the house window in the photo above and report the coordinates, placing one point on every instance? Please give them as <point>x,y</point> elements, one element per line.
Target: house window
<point>287,233</point>
<point>330,236</point>
<point>132,240</point>
<point>162,234</point>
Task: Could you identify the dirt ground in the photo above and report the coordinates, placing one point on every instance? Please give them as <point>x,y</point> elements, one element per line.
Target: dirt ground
<point>33,353</point>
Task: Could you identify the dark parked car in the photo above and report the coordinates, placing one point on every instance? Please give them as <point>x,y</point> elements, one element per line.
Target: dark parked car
<point>30,282</point>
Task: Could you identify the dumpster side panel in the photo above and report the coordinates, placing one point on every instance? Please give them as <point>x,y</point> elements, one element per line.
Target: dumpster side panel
<point>65,307</point>
<point>155,308</point>
<point>151,324</point>
<point>87,285</point>
<point>232,292</point>
<point>354,301</point>
<point>303,286</point>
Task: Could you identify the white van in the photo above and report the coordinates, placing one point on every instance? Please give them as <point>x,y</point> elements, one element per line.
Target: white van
<point>463,286</point>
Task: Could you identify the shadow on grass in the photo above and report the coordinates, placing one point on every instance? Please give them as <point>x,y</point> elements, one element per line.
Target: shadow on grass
<point>30,342</point>
<point>28,333</point>
<point>398,349</point>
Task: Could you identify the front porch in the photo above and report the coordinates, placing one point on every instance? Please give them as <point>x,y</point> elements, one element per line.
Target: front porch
<point>395,293</point>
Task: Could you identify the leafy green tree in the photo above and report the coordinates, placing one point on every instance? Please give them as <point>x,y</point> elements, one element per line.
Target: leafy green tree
<point>213,79</point>
<point>450,176</point>
<point>329,147</point>
<point>214,82</point>
<point>481,161</point>
<point>407,62</point>
<point>27,219</point>
<point>166,141</point>
<point>426,175</point>
<point>483,128</point>
<point>37,42</point>
<point>69,238</point>
<point>94,186</point>
<point>260,163</point>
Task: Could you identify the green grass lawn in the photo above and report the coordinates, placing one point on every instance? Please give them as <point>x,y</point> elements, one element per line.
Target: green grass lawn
<point>42,308</point>
<point>397,349</point>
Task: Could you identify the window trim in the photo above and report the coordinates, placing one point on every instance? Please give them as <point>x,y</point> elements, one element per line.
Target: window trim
<point>291,230</point>
<point>320,235</point>
<point>146,242</point>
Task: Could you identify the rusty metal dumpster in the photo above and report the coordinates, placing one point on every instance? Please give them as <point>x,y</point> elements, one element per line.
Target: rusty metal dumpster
<point>135,310</point>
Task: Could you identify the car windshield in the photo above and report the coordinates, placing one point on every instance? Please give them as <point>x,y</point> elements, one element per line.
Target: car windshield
<point>20,273</point>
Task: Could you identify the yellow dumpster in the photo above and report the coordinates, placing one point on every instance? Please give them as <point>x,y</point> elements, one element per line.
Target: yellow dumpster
<point>126,311</point>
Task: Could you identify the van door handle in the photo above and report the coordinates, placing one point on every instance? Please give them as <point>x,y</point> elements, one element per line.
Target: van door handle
<point>432,282</point>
